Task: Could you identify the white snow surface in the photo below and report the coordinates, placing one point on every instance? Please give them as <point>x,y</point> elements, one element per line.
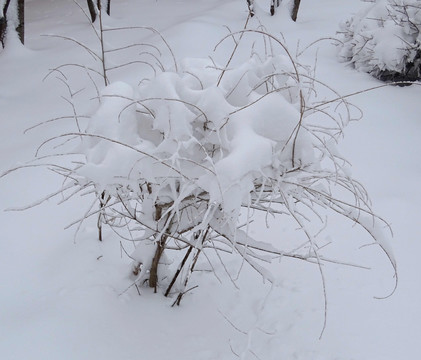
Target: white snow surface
<point>70,297</point>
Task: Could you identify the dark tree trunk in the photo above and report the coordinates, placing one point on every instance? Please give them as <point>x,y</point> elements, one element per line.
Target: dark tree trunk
<point>295,8</point>
<point>92,10</point>
<point>2,30</point>
<point>21,21</point>
<point>3,22</point>
<point>250,4</point>
<point>273,5</point>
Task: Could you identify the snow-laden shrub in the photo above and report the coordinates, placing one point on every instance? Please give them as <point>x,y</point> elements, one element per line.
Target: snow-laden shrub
<point>182,164</point>
<point>384,40</point>
<point>186,160</point>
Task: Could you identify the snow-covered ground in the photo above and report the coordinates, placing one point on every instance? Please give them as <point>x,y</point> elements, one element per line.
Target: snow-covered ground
<point>66,297</point>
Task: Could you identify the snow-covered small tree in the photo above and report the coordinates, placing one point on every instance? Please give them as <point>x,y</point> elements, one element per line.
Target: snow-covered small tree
<point>384,40</point>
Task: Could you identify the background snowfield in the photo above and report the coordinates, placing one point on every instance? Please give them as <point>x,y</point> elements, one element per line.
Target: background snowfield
<point>65,297</point>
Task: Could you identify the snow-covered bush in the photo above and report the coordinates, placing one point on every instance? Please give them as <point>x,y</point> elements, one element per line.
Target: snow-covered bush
<point>384,40</point>
<point>182,163</point>
<point>185,161</point>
